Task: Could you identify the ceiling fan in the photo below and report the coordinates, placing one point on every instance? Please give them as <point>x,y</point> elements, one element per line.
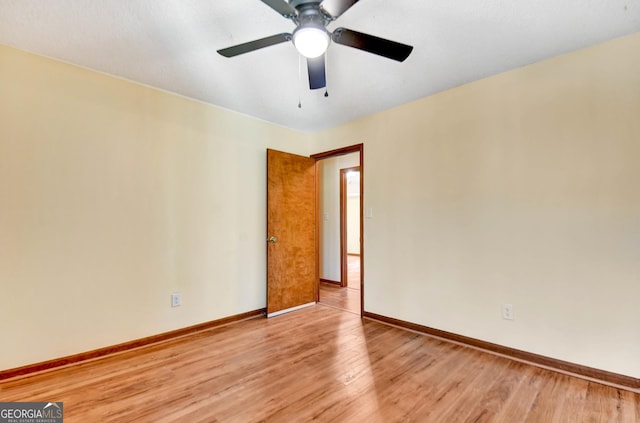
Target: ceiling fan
<point>312,39</point>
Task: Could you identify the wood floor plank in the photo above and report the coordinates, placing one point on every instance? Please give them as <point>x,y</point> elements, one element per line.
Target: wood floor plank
<point>346,299</point>
<point>549,402</point>
<point>318,364</point>
<point>467,384</point>
<point>500,386</point>
<point>533,381</point>
<point>608,408</point>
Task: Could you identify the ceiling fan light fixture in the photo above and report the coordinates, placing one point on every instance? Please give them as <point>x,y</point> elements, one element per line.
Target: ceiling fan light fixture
<point>311,40</point>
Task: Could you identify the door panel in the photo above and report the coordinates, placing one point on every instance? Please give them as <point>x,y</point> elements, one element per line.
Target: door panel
<point>290,231</point>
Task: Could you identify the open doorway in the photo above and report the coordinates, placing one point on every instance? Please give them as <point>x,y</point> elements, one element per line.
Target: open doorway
<point>340,255</point>
<point>350,227</point>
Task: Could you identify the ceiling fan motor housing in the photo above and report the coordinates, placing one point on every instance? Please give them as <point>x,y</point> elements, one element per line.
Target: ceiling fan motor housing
<point>310,13</point>
<point>296,3</point>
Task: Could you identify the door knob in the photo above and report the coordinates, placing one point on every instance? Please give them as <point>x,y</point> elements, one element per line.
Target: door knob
<point>272,239</point>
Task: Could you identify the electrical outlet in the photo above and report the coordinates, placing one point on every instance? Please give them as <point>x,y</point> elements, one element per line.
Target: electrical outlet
<point>507,311</point>
<point>176,299</point>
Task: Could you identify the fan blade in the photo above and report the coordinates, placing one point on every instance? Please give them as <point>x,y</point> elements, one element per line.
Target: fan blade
<point>281,7</point>
<point>255,45</point>
<point>317,75</point>
<point>335,8</point>
<point>372,44</point>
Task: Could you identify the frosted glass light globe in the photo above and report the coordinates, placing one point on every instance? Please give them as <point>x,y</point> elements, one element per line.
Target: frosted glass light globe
<point>311,41</point>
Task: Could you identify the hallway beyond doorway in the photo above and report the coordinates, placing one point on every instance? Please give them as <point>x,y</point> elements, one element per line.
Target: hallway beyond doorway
<point>347,298</point>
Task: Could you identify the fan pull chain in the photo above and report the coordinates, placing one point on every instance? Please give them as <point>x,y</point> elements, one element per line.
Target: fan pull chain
<point>326,67</point>
<point>299,80</point>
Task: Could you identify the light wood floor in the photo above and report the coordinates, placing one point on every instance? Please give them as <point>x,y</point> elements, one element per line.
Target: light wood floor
<point>344,298</point>
<point>353,271</point>
<point>318,364</point>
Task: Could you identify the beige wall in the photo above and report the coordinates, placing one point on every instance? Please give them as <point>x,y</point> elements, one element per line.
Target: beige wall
<point>329,174</point>
<point>113,196</point>
<point>522,188</point>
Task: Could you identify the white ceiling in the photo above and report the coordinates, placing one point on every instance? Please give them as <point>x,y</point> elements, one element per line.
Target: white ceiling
<point>171,44</point>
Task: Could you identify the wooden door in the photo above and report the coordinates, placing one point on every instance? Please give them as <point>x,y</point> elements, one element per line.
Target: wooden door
<point>291,267</point>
